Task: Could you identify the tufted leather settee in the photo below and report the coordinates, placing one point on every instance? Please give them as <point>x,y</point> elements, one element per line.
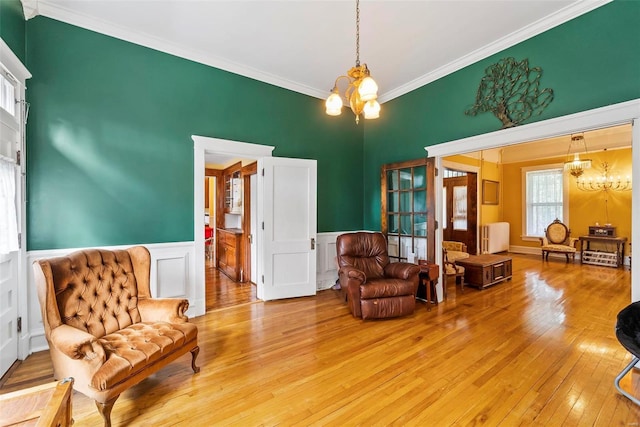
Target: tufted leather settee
<point>373,286</point>
<point>102,325</point>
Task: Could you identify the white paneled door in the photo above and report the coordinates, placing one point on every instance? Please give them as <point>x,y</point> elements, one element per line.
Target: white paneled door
<point>10,213</point>
<point>287,228</point>
<point>8,310</point>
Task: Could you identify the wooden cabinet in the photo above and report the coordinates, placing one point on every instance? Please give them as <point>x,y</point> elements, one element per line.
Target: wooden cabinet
<point>229,253</point>
<point>486,270</point>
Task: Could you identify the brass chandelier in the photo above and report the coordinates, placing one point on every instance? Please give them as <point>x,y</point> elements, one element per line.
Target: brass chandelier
<point>605,182</point>
<point>361,92</point>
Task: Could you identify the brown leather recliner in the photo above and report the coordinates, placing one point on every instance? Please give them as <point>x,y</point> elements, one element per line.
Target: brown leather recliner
<point>374,287</point>
<point>102,325</point>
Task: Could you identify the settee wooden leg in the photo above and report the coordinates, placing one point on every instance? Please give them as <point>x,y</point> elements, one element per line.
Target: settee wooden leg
<point>105,410</point>
<point>194,355</point>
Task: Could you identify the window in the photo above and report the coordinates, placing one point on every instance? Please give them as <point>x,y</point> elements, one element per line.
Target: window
<point>405,209</point>
<point>544,193</point>
<point>7,93</point>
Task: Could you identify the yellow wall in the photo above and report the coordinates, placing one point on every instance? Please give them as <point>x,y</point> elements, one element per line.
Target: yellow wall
<point>585,208</point>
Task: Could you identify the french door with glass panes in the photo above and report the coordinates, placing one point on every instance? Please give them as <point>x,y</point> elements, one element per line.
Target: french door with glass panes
<point>408,209</point>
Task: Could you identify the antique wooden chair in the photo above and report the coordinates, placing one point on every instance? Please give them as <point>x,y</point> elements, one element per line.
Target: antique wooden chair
<point>557,239</point>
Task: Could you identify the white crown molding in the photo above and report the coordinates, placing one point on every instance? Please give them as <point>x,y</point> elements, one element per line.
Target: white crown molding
<point>558,18</point>
<point>55,11</point>
<point>29,8</point>
<point>52,10</point>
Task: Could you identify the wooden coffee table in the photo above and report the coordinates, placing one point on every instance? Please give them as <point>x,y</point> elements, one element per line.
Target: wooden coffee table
<point>485,270</point>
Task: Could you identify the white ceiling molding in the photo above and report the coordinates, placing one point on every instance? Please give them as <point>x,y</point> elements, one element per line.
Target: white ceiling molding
<point>30,8</point>
<point>52,10</point>
<point>64,13</point>
<point>566,14</point>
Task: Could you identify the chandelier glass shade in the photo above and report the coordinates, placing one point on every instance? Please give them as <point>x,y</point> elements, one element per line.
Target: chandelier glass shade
<point>361,92</point>
<point>573,163</point>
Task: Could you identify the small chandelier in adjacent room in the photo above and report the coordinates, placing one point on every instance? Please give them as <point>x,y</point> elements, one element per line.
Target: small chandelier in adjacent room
<point>574,164</point>
<point>361,92</point>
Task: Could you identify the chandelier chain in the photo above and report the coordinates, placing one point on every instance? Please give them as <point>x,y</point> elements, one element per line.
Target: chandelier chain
<point>357,33</point>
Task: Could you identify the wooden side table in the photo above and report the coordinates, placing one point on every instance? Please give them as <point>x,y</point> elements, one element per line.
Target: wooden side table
<point>429,272</point>
<point>43,405</point>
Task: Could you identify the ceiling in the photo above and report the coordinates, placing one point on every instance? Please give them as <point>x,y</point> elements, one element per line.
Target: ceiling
<point>304,45</point>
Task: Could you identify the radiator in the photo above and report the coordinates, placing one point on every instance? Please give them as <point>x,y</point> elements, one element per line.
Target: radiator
<point>495,237</point>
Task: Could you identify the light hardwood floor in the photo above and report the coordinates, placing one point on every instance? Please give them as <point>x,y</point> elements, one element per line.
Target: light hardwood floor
<point>537,350</point>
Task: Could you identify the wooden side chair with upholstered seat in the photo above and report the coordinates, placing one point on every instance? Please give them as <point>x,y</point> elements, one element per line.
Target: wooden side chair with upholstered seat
<point>557,239</point>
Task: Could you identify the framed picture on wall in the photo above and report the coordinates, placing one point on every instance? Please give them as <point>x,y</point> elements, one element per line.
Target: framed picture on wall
<point>490,192</point>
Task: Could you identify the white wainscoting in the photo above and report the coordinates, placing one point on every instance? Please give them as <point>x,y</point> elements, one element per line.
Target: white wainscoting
<point>172,276</point>
<point>326,264</point>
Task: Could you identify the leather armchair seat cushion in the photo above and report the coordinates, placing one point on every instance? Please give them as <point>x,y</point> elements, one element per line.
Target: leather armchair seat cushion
<point>381,308</point>
<point>129,350</point>
<point>385,288</point>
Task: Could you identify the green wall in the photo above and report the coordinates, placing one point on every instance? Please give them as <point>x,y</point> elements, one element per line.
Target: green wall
<point>110,155</point>
<point>589,62</point>
<point>12,26</point>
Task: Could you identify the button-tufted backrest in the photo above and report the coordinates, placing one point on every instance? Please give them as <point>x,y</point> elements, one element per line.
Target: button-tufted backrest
<point>365,251</point>
<point>95,290</point>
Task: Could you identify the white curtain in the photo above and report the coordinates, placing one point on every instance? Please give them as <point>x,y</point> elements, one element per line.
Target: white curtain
<point>8,216</point>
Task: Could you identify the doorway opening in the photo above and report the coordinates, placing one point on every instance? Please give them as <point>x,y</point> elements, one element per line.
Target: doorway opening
<point>230,252</point>
<point>551,130</point>
<point>460,213</point>
<point>216,151</point>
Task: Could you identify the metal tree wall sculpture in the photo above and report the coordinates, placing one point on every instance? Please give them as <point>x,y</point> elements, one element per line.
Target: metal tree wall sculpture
<point>511,91</point>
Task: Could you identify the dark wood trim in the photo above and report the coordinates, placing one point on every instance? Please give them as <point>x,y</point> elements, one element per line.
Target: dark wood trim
<point>250,169</point>
<point>431,200</point>
<point>431,209</point>
<point>213,172</point>
<point>245,243</point>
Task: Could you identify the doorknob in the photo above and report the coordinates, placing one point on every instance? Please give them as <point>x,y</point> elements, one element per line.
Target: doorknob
<point>313,243</point>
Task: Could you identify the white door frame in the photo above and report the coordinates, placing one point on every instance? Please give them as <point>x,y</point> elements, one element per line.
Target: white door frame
<point>13,64</point>
<point>202,145</point>
<point>612,115</point>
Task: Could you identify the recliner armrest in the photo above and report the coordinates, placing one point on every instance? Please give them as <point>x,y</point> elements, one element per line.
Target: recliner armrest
<point>170,310</point>
<point>77,344</point>
<point>401,270</point>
